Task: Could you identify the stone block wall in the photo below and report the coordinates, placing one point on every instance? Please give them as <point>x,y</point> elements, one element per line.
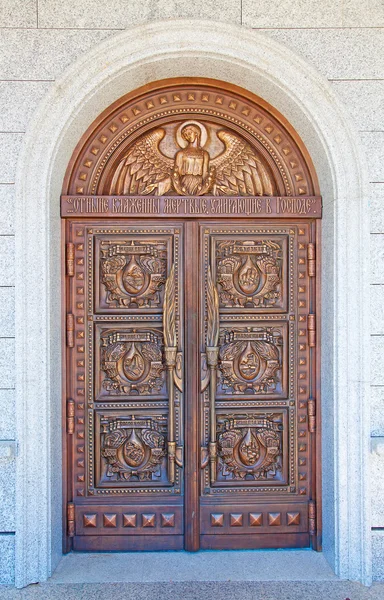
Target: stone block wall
<point>343,39</point>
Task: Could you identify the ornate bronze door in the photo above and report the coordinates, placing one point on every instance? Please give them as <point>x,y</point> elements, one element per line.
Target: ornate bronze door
<point>191,358</point>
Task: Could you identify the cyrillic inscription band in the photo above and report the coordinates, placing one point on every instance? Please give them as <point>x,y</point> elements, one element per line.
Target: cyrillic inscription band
<point>198,206</point>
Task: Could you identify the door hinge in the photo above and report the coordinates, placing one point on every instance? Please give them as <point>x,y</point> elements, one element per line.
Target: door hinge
<point>70,417</point>
<point>311,415</point>
<point>70,330</point>
<point>70,252</point>
<point>71,519</point>
<point>311,256</point>
<point>312,517</point>
<point>311,330</point>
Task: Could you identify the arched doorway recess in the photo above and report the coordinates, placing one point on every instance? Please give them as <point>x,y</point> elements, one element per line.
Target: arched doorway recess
<point>192,372</point>
<point>287,82</point>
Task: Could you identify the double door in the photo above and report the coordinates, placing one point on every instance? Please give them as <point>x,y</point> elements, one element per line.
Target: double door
<point>191,384</point>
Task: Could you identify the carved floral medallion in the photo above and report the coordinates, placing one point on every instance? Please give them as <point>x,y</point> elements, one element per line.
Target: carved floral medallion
<point>132,361</point>
<point>133,448</point>
<point>249,273</point>
<point>249,447</point>
<point>250,360</point>
<point>133,273</point>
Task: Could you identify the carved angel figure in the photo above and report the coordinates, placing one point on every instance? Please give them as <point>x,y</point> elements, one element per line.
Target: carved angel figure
<point>236,171</point>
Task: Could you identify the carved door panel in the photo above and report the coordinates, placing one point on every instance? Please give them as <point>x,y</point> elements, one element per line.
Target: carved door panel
<point>258,365</point>
<point>124,384</point>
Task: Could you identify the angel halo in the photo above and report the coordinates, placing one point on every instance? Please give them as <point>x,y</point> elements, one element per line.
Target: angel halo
<point>238,170</point>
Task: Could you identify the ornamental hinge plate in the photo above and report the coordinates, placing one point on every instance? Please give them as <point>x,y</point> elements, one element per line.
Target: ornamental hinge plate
<point>71,519</point>
<point>70,330</point>
<point>70,259</point>
<point>312,330</point>
<point>70,417</point>
<point>312,517</point>
<point>311,415</point>
<point>311,257</point>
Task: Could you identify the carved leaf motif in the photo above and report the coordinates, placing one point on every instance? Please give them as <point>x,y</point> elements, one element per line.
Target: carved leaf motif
<point>170,310</point>
<point>266,351</point>
<point>212,312</point>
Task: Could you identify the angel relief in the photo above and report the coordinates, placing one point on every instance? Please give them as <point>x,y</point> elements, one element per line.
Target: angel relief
<point>147,167</point>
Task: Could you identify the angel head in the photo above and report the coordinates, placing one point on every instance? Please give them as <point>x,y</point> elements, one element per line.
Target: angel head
<point>191,133</point>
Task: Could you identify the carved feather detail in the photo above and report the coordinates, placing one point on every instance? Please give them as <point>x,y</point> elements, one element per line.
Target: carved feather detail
<point>144,169</point>
<point>238,170</point>
<point>212,312</point>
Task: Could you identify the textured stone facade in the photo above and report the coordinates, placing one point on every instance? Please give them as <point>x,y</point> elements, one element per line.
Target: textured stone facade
<point>38,42</point>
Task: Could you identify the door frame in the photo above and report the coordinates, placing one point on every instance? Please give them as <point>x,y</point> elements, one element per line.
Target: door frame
<point>262,65</point>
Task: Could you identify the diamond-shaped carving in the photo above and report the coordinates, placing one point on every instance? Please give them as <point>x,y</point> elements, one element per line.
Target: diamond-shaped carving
<point>236,520</point>
<point>274,519</point>
<point>90,520</point>
<point>109,519</point>
<point>293,518</point>
<point>217,519</point>
<point>167,519</point>
<point>129,520</point>
<point>148,520</point>
<point>255,519</point>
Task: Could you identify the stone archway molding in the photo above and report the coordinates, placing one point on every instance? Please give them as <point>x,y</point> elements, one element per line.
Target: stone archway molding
<point>122,63</point>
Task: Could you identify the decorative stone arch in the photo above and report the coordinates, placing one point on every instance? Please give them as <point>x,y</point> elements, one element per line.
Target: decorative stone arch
<point>119,65</point>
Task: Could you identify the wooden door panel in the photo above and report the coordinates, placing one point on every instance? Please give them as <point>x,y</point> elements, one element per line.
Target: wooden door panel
<point>124,433</point>
<point>135,283</point>
<point>256,443</point>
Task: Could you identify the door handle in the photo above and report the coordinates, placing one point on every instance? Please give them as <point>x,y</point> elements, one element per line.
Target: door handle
<point>212,353</point>
<point>172,363</point>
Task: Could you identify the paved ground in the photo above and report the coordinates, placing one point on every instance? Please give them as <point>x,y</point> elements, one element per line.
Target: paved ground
<point>201,590</point>
<point>205,575</point>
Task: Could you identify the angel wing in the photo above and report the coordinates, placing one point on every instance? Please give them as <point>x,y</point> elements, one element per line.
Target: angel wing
<point>144,169</point>
<point>238,170</point>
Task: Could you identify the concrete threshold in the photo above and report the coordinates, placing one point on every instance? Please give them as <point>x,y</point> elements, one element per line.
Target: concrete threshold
<point>212,566</point>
